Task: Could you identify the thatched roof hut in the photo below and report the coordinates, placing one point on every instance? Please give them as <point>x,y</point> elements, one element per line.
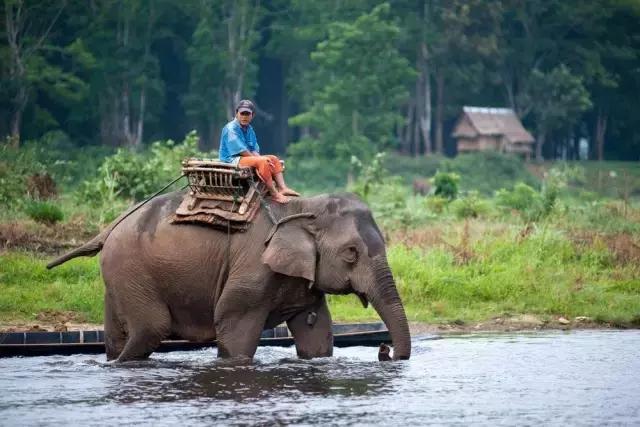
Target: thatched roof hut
<point>481,128</point>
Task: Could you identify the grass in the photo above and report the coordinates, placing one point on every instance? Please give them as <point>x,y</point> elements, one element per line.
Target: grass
<point>545,274</point>
<point>462,273</point>
<point>27,288</point>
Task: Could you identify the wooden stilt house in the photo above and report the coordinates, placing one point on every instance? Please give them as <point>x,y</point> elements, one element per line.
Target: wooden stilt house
<point>481,128</point>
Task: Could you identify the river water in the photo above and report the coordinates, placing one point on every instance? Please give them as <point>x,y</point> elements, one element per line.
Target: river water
<point>550,378</point>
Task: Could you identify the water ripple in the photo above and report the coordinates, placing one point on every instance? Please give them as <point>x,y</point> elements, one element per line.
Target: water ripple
<point>586,377</point>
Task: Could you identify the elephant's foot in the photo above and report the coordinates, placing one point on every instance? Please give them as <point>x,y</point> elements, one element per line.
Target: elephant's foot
<point>146,334</point>
<point>139,347</point>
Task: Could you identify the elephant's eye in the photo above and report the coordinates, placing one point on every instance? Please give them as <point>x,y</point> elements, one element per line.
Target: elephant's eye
<point>350,254</point>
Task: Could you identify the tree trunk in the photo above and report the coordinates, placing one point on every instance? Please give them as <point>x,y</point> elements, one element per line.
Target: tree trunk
<point>425,98</point>
<point>601,129</point>
<point>21,45</point>
<point>16,124</point>
<point>140,128</point>
<point>143,99</point>
<point>511,98</point>
<point>540,144</point>
<point>416,131</point>
<point>126,117</point>
<point>407,137</point>
<point>354,123</point>
<point>241,19</point>
<point>439,113</point>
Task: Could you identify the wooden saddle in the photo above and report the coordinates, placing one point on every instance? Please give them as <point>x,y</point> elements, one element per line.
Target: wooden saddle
<point>220,194</point>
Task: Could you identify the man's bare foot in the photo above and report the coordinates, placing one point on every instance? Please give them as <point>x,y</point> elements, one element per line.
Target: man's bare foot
<point>280,198</point>
<point>289,192</point>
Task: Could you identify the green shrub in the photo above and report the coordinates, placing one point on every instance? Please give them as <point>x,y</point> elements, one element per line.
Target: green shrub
<point>412,167</point>
<point>68,164</point>
<point>487,171</point>
<point>470,206</point>
<point>436,204</point>
<point>136,175</point>
<point>393,208</point>
<point>446,184</point>
<point>16,165</point>
<point>44,212</point>
<point>313,176</point>
<point>522,198</point>
<point>370,175</point>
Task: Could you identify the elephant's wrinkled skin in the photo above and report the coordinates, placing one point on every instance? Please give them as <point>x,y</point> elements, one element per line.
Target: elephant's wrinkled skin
<point>167,280</point>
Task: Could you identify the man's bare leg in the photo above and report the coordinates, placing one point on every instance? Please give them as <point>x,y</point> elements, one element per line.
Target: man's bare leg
<point>279,177</point>
<point>275,195</point>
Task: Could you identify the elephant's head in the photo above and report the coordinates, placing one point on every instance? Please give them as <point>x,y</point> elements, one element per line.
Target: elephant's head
<point>340,250</point>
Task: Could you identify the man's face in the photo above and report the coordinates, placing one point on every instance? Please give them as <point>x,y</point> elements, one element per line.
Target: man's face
<point>244,117</point>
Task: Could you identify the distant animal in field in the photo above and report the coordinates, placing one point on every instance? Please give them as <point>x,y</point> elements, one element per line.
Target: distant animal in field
<point>421,186</point>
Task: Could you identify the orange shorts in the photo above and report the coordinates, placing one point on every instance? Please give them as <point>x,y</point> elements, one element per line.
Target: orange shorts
<point>266,166</point>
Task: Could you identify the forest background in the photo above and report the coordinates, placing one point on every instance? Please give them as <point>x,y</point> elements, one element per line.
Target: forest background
<point>335,77</point>
<point>101,100</point>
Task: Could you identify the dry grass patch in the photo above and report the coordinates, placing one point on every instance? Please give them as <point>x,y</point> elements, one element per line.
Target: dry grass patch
<point>31,236</point>
<point>624,247</point>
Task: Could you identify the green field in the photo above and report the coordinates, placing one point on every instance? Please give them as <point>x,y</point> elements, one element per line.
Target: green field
<point>443,277</point>
<point>569,247</point>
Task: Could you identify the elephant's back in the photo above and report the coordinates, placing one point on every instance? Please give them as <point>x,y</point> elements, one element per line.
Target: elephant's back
<point>148,238</point>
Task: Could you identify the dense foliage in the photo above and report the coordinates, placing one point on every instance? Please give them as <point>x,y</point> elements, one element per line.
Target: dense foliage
<point>331,79</point>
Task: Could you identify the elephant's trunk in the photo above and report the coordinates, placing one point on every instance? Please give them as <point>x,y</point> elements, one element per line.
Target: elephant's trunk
<point>384,297</point>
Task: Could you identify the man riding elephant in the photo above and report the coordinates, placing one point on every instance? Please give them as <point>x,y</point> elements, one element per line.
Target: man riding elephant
<point>239,146</point>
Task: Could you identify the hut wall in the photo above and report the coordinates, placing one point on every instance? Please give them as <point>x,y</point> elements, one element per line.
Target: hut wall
<point>468,144</point>
<point>488,142</point>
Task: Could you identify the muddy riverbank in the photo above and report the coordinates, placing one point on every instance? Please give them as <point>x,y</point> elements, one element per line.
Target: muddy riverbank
<point>67,321</point>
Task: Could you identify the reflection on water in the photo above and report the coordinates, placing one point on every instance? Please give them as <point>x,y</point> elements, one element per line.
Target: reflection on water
<point>542,378</point>
<point>285,378</point>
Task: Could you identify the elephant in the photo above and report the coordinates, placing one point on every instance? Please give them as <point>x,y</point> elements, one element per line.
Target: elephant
<point>200,283</point>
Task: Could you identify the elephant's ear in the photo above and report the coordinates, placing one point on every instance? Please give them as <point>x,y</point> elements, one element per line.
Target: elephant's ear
<point>291,250</point>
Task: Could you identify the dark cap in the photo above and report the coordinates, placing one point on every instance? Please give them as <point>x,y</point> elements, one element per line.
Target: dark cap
<point>245,105</point>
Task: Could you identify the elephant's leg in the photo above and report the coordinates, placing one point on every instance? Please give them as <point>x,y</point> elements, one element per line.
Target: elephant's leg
<point>312,333</point>
<point>114,334</point>
<point>239,320</point>
<point>239,336</point>
<point>147,327</point>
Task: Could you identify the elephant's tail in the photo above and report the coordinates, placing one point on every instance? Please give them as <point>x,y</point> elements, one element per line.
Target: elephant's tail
<point>91,248</point>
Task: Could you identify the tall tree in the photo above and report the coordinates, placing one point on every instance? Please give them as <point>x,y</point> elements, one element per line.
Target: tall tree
<point>296,28</point>
<point>558,99</point>
<point>130,89</point>
<point>222,57</point>
<point>27,27</point>
<point>360,82</point>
